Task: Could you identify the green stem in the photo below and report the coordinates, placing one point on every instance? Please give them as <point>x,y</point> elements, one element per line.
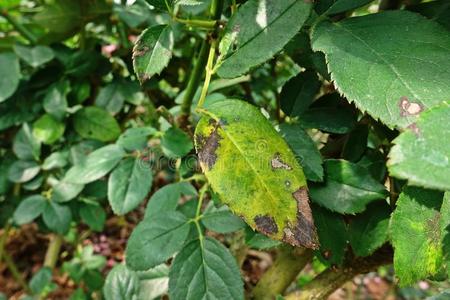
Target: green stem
<point>3,239</point>
<point>209,73</point>
<point>19,27</point>
<point>51,257</point>
<point>208,24</point>
<point>288,264</point>
<point>15,272</point>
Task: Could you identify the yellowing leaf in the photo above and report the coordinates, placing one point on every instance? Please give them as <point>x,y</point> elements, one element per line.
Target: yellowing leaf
<point>254,171</point>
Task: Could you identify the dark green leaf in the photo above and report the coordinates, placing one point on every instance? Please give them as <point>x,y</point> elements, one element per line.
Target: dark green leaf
<point>41,280</point>
<point>299,92</point>
<point>111,97</point>
<point>55,102</point>
<point>328,119</point>
<point>94,216</point>
<point>152,51</point>
<point>348,188</point>
<point>369,230</point>
<point>121,284</point>
<point>25,145</point>
<point>257,31</point>
<point>167,197</point>
<point>23,171</point>
<point>332,233</point>
<point>339,6</point>
<point>176,143</point>
<point>128,185</point>
<point>96,165</point>
<point>96,123</point>
<point>204,269</point>
<point>57,217</point>
<point>9,75</point>
<point>29,209</point>
<point>135,138</point>
<point>393,82</point>
<point>305,150</point>
<point>421,154</point>
<point>438,11</point>
<point>356,143</point>
<point>222,220</point>
<point>34,56</point>
<point>156,239</point>
<point>259,241</point>
<point>160,4</point>
<point>47,129</point>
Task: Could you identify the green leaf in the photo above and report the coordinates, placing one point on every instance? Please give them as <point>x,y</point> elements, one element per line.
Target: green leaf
<point>299,92</point>
<point>96,123</point>
<point>94,216</point>
<point>128,185</point>
<point>55,160</point>
<point>65,191</point>
<point>257,31</point>
<point>254,172</point>
<point>259,241</point>
<point>29,209</point>
<point>438,11</point>
<point>369,230</point>
<point>332,233</point>
<point>34,56</point>
<point>305,149</point>
<point>154,282</point>
<point>55,100</point>
<point>222,220</point>
<point>47,129</point>
<point>9,75</point>
<point>205,269</point>
<point>57,217</point>
<point>25,145</point>
<point>121,284</point>
<point>41,280</point>
<point>348,188</point>
<point>167,197</point>
<point>393,82</point>
<point>152,51</point>
<point>329,119</point>
<point>420,153</point>
<point>339,6</point>
<point>156,239</point>
<point>416,234</point>
<point>111,97</point>
<point>356,143</point>
<point>23,171</point>
<point>135,138</point>
<point>176,143</point>
<point>96,165</point>
<point>160,4</point>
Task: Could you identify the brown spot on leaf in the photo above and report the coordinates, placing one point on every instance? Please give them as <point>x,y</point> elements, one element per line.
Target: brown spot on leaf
<point>140,51</point>
<point>326,254</point>
<point>409,108</point>
<point>206,147</point>
<point>278,163</point>
<point>303,234</point>
<point>413,127</point>
<point>266,224</point>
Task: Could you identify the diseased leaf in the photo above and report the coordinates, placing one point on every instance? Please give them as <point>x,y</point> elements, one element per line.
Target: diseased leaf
<point>369,230</point>
<point>121,284</point>
<point>298,93</point>
<point>57,217</point>
<point>394,82</point>
<point>29,209</point>
<point>305,149</point>
<point>416,230</point>
<point>9,75</point>
<point>128,185</point>
<point>332,233</point>
<point>257,31</point>
<point>254,172</point>
<point>347,189</point>
<point>421,153</point>
<point>96,165</point>
<point>96,123</point>
<point>34,56</point>
<point>152,51</point>
<point>204,269</point>
<point>166,198</point>
<point>156,239</point>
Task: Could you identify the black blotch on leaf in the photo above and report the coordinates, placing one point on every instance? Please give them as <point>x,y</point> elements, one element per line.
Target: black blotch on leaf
<point>266,224</point>
<point>207,146</point>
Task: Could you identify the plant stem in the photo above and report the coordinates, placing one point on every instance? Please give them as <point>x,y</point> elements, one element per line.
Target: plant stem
<point>208,24</point>
<point>3,239</point>
<point>19,27</point>
<point>209,73</point>
<point>289,262</point>
<point>14,271</point>
<point>331,279</point>
<point>51,257</point>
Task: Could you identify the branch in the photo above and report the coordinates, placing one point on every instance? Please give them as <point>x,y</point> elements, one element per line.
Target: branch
<point>19,27</point>
<point>51,257</point>
<point>289,262</point>
<point>331,279</point>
